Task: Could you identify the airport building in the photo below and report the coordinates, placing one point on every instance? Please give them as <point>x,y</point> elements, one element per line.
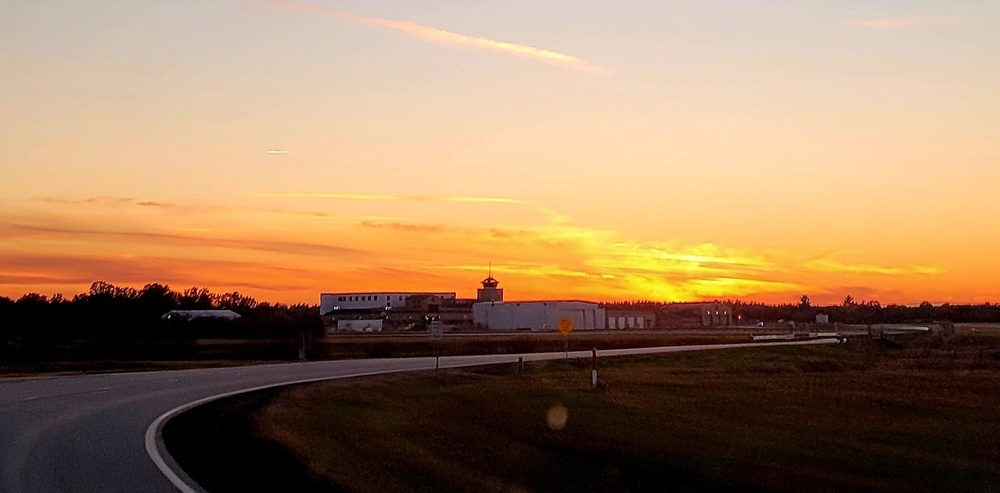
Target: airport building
<point>490,312</point>
<point>188,315</point>
<point>373,312</point>
<point>692,315</point>
<point>360,325</point>
<point>490,290</point>
<point>537,315</point>
<point>395,310</point>
<point>629,318</point>
<point>329,302</point>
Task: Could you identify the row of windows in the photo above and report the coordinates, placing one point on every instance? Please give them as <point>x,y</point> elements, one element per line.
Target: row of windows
<point>364,298</point>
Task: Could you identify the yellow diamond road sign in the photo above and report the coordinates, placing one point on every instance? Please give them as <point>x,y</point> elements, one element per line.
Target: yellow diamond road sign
<point>565,326</point>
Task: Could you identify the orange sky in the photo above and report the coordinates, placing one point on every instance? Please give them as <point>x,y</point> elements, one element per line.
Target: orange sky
<point>589,151</point>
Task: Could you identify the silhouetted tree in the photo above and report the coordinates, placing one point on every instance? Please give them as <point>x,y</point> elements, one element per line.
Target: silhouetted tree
<point>195,299</point>
<point>8,330</point>
<point>234,301</point>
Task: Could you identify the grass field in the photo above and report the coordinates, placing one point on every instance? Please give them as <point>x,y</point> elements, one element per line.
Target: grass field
<point>860,416</point>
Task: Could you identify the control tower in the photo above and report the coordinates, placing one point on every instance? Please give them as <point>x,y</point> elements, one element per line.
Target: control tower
<point>490,291</point>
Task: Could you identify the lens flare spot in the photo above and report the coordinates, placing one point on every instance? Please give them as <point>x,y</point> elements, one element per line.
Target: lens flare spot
<point>557,417</point>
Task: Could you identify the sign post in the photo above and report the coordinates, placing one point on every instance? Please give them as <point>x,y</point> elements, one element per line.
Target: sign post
<point>565,326</point>
<point>435,330</point>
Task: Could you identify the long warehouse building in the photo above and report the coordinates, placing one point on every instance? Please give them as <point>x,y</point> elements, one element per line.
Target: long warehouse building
<point>537,315</point>
<point>329,302</point>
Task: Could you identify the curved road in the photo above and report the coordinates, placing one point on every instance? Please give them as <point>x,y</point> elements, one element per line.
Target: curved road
<point>88,433</point>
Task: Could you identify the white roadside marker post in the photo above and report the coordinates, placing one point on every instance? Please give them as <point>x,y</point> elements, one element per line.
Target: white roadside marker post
<point>593,368</point>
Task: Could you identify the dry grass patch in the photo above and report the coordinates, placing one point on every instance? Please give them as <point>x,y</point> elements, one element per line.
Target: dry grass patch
<point>853,417</point>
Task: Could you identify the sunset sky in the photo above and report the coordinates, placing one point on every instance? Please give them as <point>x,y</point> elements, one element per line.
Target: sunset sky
<point>598,150</point>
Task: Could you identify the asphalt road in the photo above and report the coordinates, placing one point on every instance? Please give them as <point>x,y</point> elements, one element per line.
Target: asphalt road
<point>89,433</point>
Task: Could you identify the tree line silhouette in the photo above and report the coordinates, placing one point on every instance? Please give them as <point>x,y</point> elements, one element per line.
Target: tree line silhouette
<point>849,311</point>
<point>123,314</point>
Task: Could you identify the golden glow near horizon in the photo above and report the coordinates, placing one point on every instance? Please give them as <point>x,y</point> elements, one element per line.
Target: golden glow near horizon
<point>284,148</point>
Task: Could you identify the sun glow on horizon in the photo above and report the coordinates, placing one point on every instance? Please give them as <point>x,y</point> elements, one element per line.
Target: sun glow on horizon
<point>535,261</point>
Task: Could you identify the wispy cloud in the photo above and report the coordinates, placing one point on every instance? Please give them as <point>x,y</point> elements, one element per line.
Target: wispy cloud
<point>55,233</point>
<point>115,202</point>
<point>71,273</point>
<point>404,227</point>
<point>415,198</point>
<point>99,200</point>
<point>75,240</point>
<point>110,202</point>
<point>835,266</point>
<point>454,39</point>
<point>276,151</point>
<point>899,23</point>
<point>609,265</point>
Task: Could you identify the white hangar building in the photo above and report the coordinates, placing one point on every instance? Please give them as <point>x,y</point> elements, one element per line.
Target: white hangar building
<point>329,302</point>
<point>537,315</point>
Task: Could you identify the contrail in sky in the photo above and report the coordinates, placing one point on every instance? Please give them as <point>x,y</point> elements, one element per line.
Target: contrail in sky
<point>454,39</point>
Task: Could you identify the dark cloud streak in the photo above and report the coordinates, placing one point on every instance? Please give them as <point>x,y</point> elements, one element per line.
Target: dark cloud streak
<point>289,247</point>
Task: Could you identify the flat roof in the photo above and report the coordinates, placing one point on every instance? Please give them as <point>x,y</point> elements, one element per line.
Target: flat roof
<point>385,292</point>
<point>538,301</point>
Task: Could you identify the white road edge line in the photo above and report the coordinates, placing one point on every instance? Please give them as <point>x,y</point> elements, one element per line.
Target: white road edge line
<point>154,438</point>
